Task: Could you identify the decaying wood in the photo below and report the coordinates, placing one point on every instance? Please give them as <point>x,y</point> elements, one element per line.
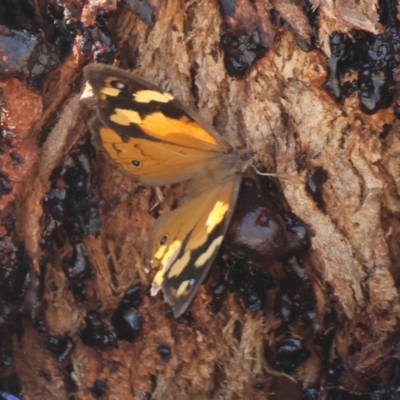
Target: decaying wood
<point>281,112</point>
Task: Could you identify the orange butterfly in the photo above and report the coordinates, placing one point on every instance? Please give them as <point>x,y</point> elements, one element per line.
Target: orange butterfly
<point>152,136</point>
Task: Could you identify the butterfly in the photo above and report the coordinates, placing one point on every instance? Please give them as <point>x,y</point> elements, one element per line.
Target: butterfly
<point>152,136</point>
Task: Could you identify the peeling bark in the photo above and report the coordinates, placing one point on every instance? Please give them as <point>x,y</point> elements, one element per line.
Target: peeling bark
<point>80,323</point>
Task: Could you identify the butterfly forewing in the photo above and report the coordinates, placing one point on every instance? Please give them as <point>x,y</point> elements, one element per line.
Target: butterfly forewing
<point>185,242</point>
<point>136,108</point>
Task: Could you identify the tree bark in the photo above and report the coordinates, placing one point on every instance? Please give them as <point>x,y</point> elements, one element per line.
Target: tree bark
<point>78,320</point>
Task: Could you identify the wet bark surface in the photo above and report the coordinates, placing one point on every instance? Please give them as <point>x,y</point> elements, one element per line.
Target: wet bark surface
<point>302,302</point>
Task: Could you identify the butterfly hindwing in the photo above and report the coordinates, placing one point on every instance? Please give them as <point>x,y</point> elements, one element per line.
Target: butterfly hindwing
<point>185,242</point>
<point>154,163</point>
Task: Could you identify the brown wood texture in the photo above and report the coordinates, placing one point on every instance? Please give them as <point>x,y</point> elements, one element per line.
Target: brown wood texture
<point>282,112</point>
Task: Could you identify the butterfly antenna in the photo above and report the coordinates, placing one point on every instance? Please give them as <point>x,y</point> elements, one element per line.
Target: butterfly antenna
<point>258,172</point>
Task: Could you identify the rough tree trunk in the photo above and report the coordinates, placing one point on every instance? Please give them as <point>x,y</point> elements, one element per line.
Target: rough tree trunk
<point>318,323</point>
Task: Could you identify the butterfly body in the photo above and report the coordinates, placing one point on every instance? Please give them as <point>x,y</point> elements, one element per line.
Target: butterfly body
<point>153,137</point>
